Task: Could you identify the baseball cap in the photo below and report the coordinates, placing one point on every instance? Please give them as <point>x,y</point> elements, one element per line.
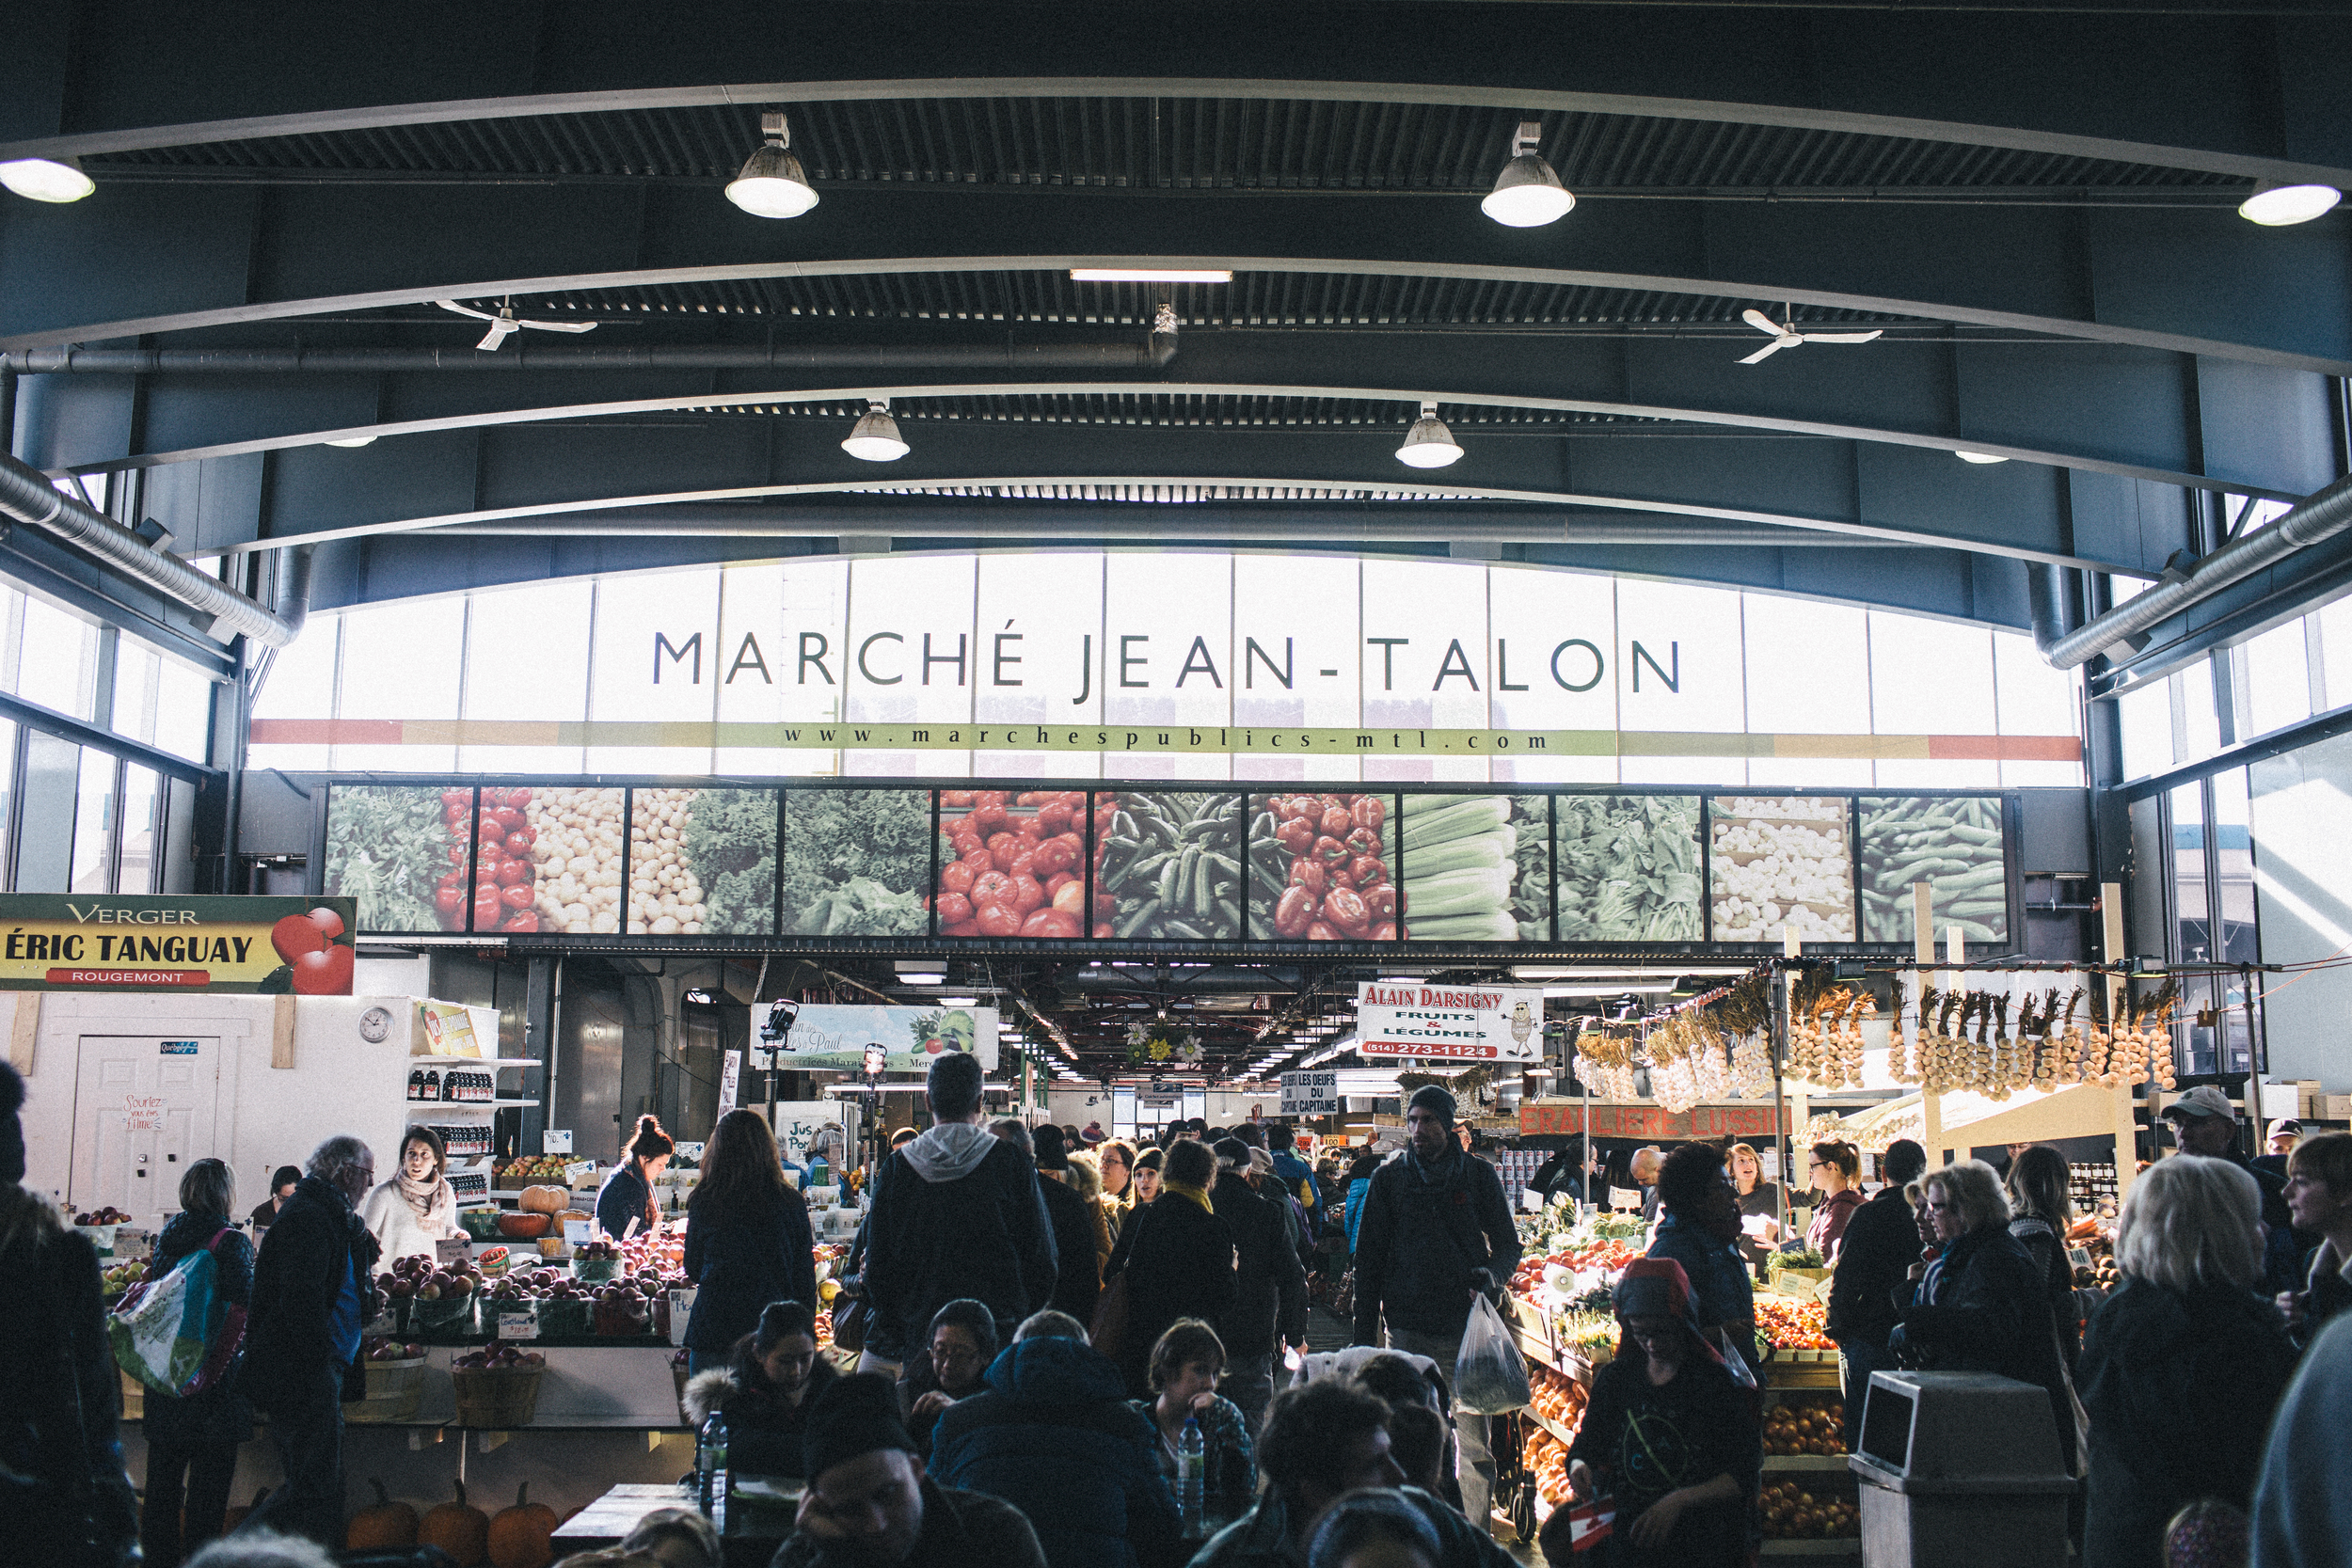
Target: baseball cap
<point>2284,1124</point>
<point>2202,1101</point>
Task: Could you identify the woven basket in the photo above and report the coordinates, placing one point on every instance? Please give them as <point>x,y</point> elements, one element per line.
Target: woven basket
<point>135,1397</point>
<point>498,1399</point>
<point>395,1393</point>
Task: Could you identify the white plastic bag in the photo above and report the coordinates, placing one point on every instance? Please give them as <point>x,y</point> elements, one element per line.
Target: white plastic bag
<point>1490,1375</point>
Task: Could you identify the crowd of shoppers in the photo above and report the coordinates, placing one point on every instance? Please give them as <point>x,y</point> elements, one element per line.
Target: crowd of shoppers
<point>2194,1400</point>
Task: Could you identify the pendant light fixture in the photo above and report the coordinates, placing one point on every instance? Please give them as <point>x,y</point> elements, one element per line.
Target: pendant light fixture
<point>1429,444</point>
<point>772,185</point>
<point>47,179</point>
<point>1527,194</point>
<point>1979,457</point>
<point>876,437</point>
<point>2276,204</point>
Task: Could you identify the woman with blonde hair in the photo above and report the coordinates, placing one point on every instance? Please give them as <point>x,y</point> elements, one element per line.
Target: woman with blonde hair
<point>2184,1364</point>
<point>1760,1200</point>
<point>1084,1177</point>
<point>1980,1306</point>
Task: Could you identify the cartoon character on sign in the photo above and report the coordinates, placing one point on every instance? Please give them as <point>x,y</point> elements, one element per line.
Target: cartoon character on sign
<point>1522,1026</point>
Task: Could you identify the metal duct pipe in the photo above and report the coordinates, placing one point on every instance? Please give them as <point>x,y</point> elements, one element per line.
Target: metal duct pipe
<point>2048,602</point>
<point>26,496</point>
<point>1150,355</point>
<point>2319,515</point>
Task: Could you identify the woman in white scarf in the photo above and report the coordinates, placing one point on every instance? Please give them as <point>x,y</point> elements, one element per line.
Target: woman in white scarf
<point>417,1207</point>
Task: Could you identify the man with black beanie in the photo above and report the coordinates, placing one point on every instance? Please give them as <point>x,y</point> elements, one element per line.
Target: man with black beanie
<point>1436,1231</point>
<point>1881,1244</point>
<point>956,1214</point>
<point>869,1505</point>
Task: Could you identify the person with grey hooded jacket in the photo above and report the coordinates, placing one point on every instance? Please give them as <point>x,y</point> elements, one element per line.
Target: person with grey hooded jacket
<point>956,1214</point>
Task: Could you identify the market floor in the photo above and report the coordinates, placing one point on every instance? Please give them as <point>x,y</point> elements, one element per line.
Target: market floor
<point>1328,1333</point>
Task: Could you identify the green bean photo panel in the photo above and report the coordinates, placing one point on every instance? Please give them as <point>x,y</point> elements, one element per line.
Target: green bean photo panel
<point>1954,845</point>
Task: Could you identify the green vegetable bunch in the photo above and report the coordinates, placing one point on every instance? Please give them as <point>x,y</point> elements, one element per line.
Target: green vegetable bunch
<point>856,861</point>
<point>387,845</point>
<point>731,844</point>
<point>1628,868</point>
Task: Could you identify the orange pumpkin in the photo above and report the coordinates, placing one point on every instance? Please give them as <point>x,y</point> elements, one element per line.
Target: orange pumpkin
<point>458,1528</point>
<point>382,1523</point>
<point>544,1200</point>
<point>520,1535</point>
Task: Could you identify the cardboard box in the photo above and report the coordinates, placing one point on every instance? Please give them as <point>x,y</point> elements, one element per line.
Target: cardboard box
<point>2334,1107</point>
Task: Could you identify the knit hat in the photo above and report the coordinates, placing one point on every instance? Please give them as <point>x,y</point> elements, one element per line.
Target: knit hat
<point>1151,1159</point>
<point>12,1130</point>
<point>1431,1098</point>
<point>1231,1153</point>
<point>854,1416</point>
<point>1656,1288</point>
<point>1051,1152</point>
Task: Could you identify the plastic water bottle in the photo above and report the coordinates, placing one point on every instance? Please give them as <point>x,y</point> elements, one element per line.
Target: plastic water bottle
<point>1192,1465</point>
<point>710,1470</point>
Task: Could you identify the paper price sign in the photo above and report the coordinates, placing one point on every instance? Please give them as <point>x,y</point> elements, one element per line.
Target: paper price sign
<point>519,1325</point>
<point>1311,1094</point>
<point>556,1140</point>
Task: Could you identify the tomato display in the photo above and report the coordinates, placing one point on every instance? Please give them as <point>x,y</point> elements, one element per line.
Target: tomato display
<point>1320,868</point>
<point>1008,861</point>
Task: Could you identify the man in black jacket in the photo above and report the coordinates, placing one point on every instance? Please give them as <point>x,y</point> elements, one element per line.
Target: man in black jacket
<point>1078,1268</point>
<point>1436,1230</point>
<point>956,1212</point>
<point>2204,1122</point>
<point>1874,1260</point>
<point>1269,1288</point>
<point>313,1285</point>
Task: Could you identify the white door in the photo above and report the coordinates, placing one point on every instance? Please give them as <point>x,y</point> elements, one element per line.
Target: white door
<point>144,1106</point>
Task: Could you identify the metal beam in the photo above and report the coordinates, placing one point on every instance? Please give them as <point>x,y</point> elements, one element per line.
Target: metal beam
<point>430,482</point>
<point>2186,282</point>
<point>2133,413</point>
<point>2236,93</point>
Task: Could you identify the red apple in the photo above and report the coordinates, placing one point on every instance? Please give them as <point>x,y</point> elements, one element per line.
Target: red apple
<point>325,973</point>
<point>331,924</point>
<point>296,935</point>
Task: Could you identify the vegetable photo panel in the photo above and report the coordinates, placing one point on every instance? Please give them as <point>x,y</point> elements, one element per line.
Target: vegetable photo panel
<point>1474,868</point>
<point>1954,845</point>
<point>1627,868</point>
<point>1168,865</point>
<point>1012,864</point>
<point>1320,867</point>
<point>701,862</point>
<point>400,851</point>
<point>1778,861</point>
<point>857,862</point>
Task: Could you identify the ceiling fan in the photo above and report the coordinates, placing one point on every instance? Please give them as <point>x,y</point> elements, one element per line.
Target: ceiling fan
<point>1784,334</point>
<point>503,325</point>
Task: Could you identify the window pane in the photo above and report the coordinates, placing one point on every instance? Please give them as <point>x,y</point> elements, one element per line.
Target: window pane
<point>292,715</point>
<point>2202,718</point>
<point>1808,675</point>
<point>1931,678</point>
<point>527,666</point>
<point>58,667</point>
<point>140,797</point>
<point>655,663</point>
<point>2233,846</point>
<point>401,661</point>
<point>183,710</point>
<point>44,857</point>
<point>2192,941</point>
<point>2040,714</point>
<point>2278,680</point>
<point>2144,713</point>
<point>134,712</point>
<point>7,772</point>
<point>93,825</point>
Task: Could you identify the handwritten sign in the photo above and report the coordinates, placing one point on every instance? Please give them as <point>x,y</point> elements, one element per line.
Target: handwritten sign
<point>519,1325</point>
<point>555,1140</point>
<point>143,1112</point>
<point>730,1081</point>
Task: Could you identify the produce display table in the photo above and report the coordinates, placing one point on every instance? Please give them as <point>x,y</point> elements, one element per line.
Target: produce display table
<point>584,1387</point>
<point>755,1522</point>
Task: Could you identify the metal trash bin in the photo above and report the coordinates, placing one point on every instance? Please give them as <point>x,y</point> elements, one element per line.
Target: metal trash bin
<point>1960,1470</point>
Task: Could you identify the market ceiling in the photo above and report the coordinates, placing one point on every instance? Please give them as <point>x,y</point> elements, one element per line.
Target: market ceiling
<point>2037,212</point>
